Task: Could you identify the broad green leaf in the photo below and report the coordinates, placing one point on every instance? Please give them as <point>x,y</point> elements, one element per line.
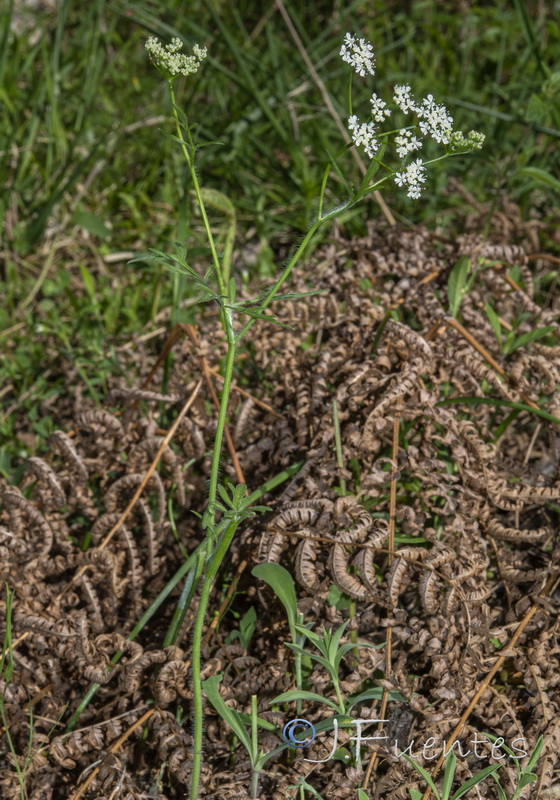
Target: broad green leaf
<point>526,779</point>
<point>449,774</point>
<point>426,775</point>
<point>415,794</point>
<point>228,714</point>
<point>313,636</point>
<point>537,110</point>
<point>531,336</point>
<point>88,280</point>
<point>541,176</point>
<point>363,796</point>
<point>264,757</point>
<point>217,199</point>
<point>342,652</point>
<point>534,757</point>
<point>247,626</point>
<point>456,285</point>
<point>224,495</point>
<point>374,694</point>
<point>261,723</point>
<point>501,794</point>
<point>319,659</point>
<point>494,322</point>
<point>300,694</point>
<point>480,776</point>
<point>335,641</point>
<point>282,583</point>
<point>350,646</point>
<point>239,493</point>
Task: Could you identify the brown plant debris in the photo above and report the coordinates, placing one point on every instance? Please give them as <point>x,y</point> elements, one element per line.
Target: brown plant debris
<point>477,504</point>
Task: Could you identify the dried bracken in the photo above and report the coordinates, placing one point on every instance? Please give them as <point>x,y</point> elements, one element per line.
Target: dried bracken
<point>476,532</point>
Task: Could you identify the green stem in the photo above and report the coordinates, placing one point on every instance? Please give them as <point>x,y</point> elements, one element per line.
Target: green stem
<point>189,158</point>
<point>214,561</point>
<point>339,696</point>
<point>297,663</point>
<point>213,567</point>
<point>226,316</point>
<point>291,264</point>
<point>254,748</point>
<point>215,469</point>
<point>354,633</point>
<point>301,249</point>
<point>338,445</point>
<point>189,149</point>
<point>189,589</point>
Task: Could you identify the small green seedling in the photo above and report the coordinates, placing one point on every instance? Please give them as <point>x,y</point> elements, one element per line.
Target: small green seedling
<point>328,644</point>
<point>511,342</point>
<point>526,775</point>
<point>331,654</point>
<point>304,787</point>
<point>237,722</point>
<point>282,584</point>
<point>247,626</point>
<point>448,776</point>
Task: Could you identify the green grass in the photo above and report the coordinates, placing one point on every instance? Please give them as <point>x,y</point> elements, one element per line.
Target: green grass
<point>87,172</point>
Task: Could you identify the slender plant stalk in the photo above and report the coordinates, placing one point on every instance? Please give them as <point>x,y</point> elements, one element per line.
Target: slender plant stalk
<point>297,665</point>
<point>212,569</point>
<point>189,158</point>
<point>338,445</point>
<point>213,559</point>
<point>254,748</point>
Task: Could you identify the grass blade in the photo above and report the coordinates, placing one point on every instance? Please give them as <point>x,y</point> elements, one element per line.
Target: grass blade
<point>492,401</point>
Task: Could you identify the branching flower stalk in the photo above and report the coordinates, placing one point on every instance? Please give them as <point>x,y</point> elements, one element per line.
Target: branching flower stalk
<point>434,121</point>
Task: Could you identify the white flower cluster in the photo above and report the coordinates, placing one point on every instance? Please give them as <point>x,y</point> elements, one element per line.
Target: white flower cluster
<point>359,54</point>
<point>406,142</point>
<point>403,99</point>
<point>363,133</point>
<point>412,177</point>
<point>435,120</point>
<point>172,63</point>
<point>379,108</point>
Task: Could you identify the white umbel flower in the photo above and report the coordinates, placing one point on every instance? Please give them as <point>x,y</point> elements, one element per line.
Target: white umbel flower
<point>379,108</point>
<point>412,177</point>
<point>359,54</point>
<point>435,120</point>
<point>406,142</point>
<point>363,135</point>
<point>403,99</point>
<point>172,63</point>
